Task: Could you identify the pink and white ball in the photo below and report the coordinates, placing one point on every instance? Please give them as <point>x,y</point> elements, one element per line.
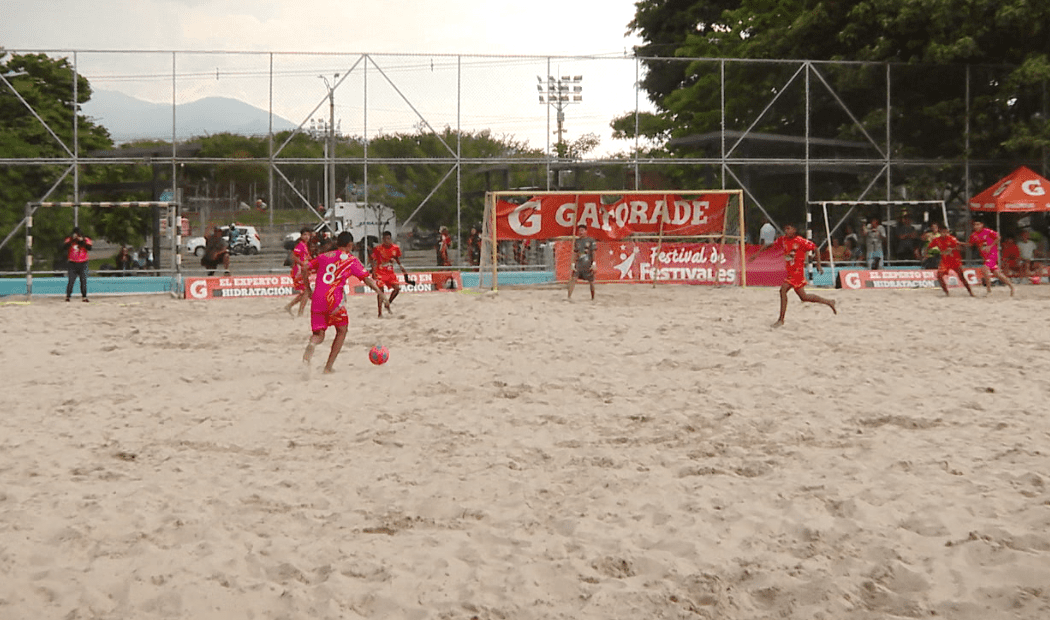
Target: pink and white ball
<point>378,355</point>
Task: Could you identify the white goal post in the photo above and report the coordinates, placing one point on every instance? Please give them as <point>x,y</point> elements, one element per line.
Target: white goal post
<point>174,216</point>
<point>618,220</point>
<point>885,208</point>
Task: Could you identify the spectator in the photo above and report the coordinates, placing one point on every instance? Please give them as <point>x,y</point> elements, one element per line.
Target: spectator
<point>839,252</point>
<point>856,254</point>
<point>1011,257</point>
<point>122,262</point>
<point>474,246</point>
<point>216,252</point>
<point>907,239</point>
<point>768,233</point>
<point>875,239</point>
<point>443,245</point>
<point>77,246</point>
<point>1028,249</point>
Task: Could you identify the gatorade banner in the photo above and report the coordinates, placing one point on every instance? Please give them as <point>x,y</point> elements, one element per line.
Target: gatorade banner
<point>556,215</point>
<point>239,286</point>
<point>683,263</point>
<point>281,285</point>
<point>897,279</point>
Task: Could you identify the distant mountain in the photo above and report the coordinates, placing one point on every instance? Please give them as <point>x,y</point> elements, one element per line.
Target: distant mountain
<point>128,118</point>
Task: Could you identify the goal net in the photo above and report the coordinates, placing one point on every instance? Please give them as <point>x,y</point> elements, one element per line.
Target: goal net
<point>839,219</point>
<point>674,236</point>
<point>171,223</point>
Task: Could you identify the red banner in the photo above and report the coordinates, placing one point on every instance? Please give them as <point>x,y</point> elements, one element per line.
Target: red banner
<point>550,216</point>
<point>425,282</point>
<point>683,263</point>
<point>910,278</point>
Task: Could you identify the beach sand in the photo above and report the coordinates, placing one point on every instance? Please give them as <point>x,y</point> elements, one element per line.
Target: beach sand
<point>658,453</point>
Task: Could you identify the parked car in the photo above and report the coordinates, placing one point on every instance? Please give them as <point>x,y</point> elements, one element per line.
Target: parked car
<point>248,241</point>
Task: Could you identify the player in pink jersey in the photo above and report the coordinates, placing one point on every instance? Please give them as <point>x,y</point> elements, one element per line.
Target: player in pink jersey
<point>301,271</point>
<point>333,269</point>
<point>795,249</point>
<point>986,240</point>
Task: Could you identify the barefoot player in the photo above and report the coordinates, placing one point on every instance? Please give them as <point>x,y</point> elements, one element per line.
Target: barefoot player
<point>986,241</point>
<point>383,258</point>
<point>795,249</point>
<point>947,246</point>
<point>301,271</point>
<point>333,269</point>
<point>583,259</point>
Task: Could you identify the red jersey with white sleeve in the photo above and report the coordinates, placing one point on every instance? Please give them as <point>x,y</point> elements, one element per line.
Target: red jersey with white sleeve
<point>300,276</point>
<point>333,270</point>
<point>78,251</point>
<point>795,250</point>
<point>383,257</point>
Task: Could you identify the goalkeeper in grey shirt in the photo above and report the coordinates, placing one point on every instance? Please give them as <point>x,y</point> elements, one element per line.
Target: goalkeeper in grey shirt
<point>583,259</point>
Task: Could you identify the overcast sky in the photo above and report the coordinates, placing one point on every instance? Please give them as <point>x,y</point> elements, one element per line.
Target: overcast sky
<point>403,92</point>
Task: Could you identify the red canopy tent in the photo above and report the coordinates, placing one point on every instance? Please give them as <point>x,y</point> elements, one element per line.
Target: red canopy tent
<point>1021,191</point>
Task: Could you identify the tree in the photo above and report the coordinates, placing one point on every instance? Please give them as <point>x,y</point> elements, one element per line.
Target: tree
<point>46,86</point>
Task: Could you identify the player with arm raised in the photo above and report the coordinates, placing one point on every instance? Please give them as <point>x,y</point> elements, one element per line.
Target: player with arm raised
<point>383,258</point>
<point>795,249</point>
<point>333,269</point>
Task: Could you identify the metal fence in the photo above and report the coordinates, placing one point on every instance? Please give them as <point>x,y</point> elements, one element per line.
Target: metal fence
<point>786,132</point>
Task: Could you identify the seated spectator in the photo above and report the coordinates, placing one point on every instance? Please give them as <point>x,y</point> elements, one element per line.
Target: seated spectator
<point>1011,257</point>
<point>1028,251</point>
<point>839,252</point>
<point>931,255</point>
<point>122,262</point>
<point>856,255</point>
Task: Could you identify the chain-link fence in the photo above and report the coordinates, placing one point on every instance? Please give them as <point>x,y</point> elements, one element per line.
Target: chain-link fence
<point>280,135</point>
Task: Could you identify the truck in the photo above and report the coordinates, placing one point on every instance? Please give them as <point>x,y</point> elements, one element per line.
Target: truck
<point>365,221</point>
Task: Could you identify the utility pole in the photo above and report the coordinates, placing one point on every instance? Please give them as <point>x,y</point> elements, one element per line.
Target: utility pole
<point>560,93</point>
<point>329,173</point>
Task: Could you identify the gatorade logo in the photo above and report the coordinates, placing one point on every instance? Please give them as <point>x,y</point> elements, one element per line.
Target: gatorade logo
<point>199,289</point>
<point>850,279</point>
<point>1033,187</point>
<point>531,225</point>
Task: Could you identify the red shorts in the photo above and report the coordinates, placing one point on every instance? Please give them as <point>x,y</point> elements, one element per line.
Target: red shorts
<point>320,321</point>
<point>387,278</point>
<point>796,278</point>
<point>948,265</point>
<point>300,283</point>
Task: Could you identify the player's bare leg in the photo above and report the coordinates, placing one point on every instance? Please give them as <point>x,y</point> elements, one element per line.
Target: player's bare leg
<point>592,290</point>
<point>307,294</point>
<point>300,298</point>
<point>315,339</point>
<point>1005,280</point>
<point>816,299</point>
<point>966,283</point>
<point>943,281</point>
<point>337,346</point>
<point>784,288</point>
<point>572,284</point>
<point>986,279</point>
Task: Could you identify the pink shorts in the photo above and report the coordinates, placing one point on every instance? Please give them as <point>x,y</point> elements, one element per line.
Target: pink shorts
<point>320,321</point>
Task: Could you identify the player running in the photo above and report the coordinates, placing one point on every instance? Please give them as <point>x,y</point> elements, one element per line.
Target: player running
<point>301,271</point>
<point>583,259</point>
<point>795,249</point>
<point>986,241</point>
<point>383,258</point>
<point>947,246</point>
<point>333,269</point>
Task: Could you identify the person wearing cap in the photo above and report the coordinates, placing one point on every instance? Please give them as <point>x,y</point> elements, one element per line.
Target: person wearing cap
<point>583,259</point>
<point>77,246</point>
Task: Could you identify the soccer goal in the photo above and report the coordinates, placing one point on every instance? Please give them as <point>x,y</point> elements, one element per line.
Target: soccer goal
<point>886,210</point>
<point>174,218</point>
<point>673,236</point>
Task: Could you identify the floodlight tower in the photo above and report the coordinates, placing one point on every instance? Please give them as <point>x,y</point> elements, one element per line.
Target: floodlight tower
<point>560,93</point>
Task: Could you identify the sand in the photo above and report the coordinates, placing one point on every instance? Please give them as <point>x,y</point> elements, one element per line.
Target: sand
<point>658,453</point>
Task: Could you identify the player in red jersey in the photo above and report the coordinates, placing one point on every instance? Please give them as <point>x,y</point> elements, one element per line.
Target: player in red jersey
<point>301,271</point>
<point>383,258</point>
<point>333,269</point>
<point>948,246</point>
<point>795,249</point>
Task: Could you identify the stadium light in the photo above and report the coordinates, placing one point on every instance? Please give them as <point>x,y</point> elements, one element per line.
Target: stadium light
<point>560,93</point>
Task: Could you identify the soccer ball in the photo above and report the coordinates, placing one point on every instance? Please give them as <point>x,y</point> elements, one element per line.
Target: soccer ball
<point>378,355</point>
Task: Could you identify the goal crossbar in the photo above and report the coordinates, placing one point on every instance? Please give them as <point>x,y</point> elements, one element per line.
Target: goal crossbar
<point>174,215</point>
